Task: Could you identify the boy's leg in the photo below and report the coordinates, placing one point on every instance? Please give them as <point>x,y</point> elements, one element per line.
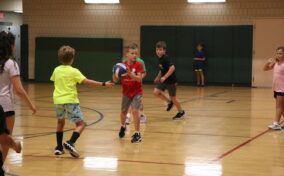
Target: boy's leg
<point>60,114</point>
<point>74,115</point>
<point>136,104</point>
<point>125,103</point>
<point>172,93</point>
<point>142,115</point>
<point>128,116</point>
<point>158,92</point>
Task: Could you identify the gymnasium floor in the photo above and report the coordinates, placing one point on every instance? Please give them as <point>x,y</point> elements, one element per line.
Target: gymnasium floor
<point>224,133</point>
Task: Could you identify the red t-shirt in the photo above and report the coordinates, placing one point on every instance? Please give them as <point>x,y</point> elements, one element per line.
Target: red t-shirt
<point>130,87</point>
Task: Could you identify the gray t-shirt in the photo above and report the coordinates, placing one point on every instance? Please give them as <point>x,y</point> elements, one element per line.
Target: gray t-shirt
<point>11,69</point>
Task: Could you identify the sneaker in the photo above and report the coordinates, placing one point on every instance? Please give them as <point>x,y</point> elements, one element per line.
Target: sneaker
<point>122,132</point>
<point>71,148</point>
<point>128,120</point>
<point>275,126</point>
<point>170,105</point>
<point>179,115</point>
<point>142,119</point>
<point>59,151</point>
<point>136,138</point>
<point>5,169</point>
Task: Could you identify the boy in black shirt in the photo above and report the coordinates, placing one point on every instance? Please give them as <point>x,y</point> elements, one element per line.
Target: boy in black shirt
<point>166,79</point>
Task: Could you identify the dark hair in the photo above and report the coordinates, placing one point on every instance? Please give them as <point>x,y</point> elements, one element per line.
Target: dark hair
<point>131,46</point>
<point>7,41</point>
<point>161,44</point>
<point>280,48</point>
<point>66,54</point>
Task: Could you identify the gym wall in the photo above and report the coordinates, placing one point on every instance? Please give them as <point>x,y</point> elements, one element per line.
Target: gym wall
<point>73,18</point>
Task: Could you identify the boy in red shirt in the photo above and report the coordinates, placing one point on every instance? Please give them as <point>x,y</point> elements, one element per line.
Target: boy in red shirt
<point>131,92</point>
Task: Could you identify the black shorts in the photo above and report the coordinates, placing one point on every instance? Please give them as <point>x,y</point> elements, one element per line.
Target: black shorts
<point>3,125</point>
<point>172,88</point>
<point>278,94</point>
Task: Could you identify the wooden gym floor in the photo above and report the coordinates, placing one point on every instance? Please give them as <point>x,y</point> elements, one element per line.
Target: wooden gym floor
<point>224,133</point>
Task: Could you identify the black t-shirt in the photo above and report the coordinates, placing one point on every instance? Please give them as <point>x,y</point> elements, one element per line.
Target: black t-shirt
<point>164,64</point>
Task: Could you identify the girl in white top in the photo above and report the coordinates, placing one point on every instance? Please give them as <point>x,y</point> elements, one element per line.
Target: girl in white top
<point>9,81</point>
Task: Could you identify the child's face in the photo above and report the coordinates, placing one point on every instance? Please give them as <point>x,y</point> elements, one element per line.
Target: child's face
<point>132,54</point>
<point>199,48</point>
<point>280,54</point>
<point>160,52</point>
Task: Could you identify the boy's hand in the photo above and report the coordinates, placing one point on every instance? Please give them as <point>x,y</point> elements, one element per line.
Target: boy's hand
<point>109,84</point>
<point>33,109</point>
<point>157,80</point>
<point>162,79</point>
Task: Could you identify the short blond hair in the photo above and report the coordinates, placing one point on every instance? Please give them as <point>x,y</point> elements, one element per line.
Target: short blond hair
<point>66,54</point>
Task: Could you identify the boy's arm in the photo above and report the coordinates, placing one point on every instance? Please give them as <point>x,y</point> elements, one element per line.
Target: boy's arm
<point>168,74</point>
<point>269,64</point>
<point>89,82</point>
<point>137,77</point>
<point>158,77</point>
<point>199,59</point>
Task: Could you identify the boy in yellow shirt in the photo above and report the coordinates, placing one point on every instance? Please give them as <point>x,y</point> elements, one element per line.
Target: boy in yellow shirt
<point>66,100</point>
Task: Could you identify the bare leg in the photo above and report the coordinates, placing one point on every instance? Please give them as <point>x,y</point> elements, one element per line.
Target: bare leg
<point>123,117</point>
<point>10,125</point>
<point>279,108</point>
<point>136,118</point>
<point>158,93</point>
<point>197,77</point>
<point>60,124</point>
<point>8,142</point>
<point>176,103</point>
<point>202,77</point>
<point>80,126</point>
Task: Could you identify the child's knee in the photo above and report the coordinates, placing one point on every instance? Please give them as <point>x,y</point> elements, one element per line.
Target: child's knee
<point>81,124</point>
<point>156,92</point>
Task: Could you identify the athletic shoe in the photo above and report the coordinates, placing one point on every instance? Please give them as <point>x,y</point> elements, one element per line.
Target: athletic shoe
<point>59,151</point>
<point>71,148</point>
<point>136,138</point>
<point>275,126</point>
<point>122,132</point>
<point>179,115</point>
<point>170,105</point>
<point>143,118</point>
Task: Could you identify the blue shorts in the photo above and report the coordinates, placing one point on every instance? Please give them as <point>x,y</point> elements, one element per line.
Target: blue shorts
<point>198,65</point>
<point>73,112</point>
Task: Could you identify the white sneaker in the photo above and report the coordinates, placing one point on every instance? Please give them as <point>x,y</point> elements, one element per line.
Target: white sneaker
<point>5,169</point>
<point>143,119</point>
<point>275,126</point>
<point>128,119</point>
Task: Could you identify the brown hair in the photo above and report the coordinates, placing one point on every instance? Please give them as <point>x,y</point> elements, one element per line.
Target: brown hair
<point>7,41</point>
<point>161,44</point>
<point>131,46</point>
<point>66,54</point>
<point>280,48</point>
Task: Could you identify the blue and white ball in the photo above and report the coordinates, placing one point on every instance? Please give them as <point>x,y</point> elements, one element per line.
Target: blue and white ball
<point>119,70</point>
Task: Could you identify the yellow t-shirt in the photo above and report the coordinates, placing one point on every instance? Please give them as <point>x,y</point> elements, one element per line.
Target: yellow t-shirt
<point>65,79</point>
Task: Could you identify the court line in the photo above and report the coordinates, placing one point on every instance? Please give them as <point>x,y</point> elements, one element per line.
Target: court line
<point>239,146</point>
<point>119,160</point>
<point>231,101</point>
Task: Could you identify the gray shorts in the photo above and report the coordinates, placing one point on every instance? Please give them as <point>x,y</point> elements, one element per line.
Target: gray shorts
<point>172,88</point>
<point>135,102</point>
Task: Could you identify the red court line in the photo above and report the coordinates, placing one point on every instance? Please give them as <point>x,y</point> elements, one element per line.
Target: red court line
<point>239,146</point>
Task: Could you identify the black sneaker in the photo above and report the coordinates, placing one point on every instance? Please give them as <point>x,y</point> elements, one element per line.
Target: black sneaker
<point>122,132</point>
<point>71,148</point>
<point>170,105</point>
<point>136,138</point>
<point>179,115</point>
<point>59,150</point>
